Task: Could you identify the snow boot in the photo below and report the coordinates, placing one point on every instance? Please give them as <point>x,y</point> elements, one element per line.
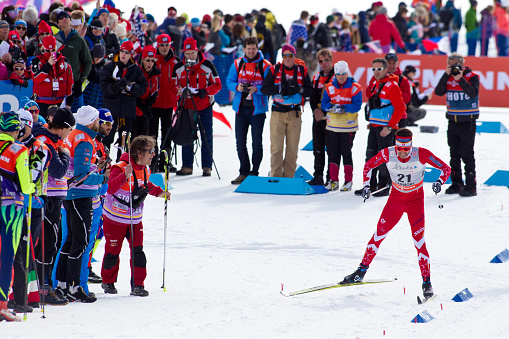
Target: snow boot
<point>318,180</point>
<point>79,295</point>
<point>139,291</point>
<point>347,186</point>
<point>23,308</point>
<point>53,297</point>
<point>427,290</point>
<point>6,314</point>
<point>238,180</point>
<point>332,186</point>
<point>356,276</point>
<point>109,288</point>
<point>93,278</point>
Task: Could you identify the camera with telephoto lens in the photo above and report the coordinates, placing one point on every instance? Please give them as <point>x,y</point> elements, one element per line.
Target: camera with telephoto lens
<point>190,63</point>
<point>456,69</point>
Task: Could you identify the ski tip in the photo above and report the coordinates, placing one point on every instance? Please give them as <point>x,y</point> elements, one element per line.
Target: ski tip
<point>419,301</point>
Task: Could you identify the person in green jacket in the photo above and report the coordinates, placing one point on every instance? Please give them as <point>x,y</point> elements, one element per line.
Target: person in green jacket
<point>472,26</point>
<point>15,181</point>
<point>77,53</point>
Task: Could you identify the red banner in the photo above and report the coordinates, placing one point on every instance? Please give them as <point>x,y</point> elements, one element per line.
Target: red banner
<point>493,73</point>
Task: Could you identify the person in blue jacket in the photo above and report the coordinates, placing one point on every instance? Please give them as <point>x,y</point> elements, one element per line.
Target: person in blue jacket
<point>78,203</point>
<point>245,79</point>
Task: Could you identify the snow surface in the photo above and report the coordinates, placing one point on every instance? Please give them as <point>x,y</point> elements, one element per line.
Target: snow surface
<point>228,253</point>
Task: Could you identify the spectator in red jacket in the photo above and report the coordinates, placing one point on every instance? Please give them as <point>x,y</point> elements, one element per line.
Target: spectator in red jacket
<point>20,75</point>
<point>53,79</point>
<point>164,105</point>
<point>144,102</point>
<point>384,30</point>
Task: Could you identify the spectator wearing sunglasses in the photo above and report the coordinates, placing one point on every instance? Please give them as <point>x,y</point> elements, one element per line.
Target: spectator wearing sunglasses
<point>20,75</point>
<point>33,46</point>
<point>144,102</point>
<point>32,107</point>
<point>53,77</point>
<point>4,36</point>
<point>320,134</point>
<point>16,48</point>
<point>20,26</point>
<point>122,81</point>
<point>289,84</point>
<point>94,34</point>
<point>385,110</point>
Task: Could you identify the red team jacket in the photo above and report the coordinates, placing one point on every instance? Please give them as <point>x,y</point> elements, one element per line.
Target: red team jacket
<point>52,83</point>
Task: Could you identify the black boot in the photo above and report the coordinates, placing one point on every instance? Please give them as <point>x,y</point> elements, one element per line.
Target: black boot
<point>109,288</point>
<point>318,180</point>
<point>93,278</point>
<point>427,290</point>
<point>470,189</point>
<point>139,291</point>
<point>457,183</point>
<point>356,276</point>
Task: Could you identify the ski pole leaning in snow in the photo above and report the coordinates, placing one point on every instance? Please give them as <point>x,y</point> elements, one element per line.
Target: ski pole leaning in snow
<point>166,179</point>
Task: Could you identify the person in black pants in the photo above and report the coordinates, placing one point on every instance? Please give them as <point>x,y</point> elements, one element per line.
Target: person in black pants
<point>320,134</point>
<point>460,85</point>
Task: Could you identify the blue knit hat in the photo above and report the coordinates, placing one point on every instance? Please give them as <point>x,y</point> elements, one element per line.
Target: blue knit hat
<point>20,22</point>
<point>10,122</point>
<point>105,115</point>
<point>26,102</point>
<point>195,22</point>
<point>101,11</point>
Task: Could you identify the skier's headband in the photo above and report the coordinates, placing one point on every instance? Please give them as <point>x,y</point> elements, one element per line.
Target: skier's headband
<point>403,141</point>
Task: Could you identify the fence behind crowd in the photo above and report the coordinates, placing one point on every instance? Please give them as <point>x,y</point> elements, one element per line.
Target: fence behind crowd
<point>493,73</point>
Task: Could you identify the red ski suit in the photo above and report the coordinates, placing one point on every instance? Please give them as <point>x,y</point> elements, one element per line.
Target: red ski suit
<point>407,195</point>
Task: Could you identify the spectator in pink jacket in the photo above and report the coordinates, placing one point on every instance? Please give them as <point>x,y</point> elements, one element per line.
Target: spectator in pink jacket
<point>385,31</point>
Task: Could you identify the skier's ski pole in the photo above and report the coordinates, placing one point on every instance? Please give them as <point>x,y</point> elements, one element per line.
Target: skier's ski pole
<point>166,179</point>
<point>131,209</point>
<point>439,204</point>
<point>29,234</point>
<point>379,190</point>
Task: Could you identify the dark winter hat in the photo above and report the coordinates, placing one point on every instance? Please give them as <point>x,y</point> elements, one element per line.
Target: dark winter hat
<point>402,4</point>
<point>330,19</point>
<point>249,18</point>
<point>98,51</point>
<point>10,122</point>
<point>63,118</point>
<point>150,18</point>
<point>63,15</point>
<point>101,11</point>
<point>391,56</point>
<point>409,69</point>
<point>313,20</point>
<point>228,18</point>
<point>96,23</point>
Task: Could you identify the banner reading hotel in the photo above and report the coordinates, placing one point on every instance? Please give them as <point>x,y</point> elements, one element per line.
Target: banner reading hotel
<point>493,73</point>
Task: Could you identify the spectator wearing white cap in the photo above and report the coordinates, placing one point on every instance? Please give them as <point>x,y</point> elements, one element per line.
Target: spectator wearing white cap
<point>342,99</point>
<point>78,203</point>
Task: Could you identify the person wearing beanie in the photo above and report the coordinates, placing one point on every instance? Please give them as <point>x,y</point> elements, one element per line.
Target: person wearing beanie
<point>77,52</point>
<point>204,83</point>
<point>342,100</point>
<point>34,43</point>
<point>52,136</point>
<point>93,95</point>
<point>182,27</point>
<point>197,34</point>
<point>78,203</point>
<point>122,81</point>
<point>145,102</point>
<point>407,165</point>
<point>53,77</point>
<point>20,26</point>
<point>319,33</point>
<point>162,109</point>
<point>15,175</point>
<point>87,274</point>
<point>20,75</point>
<point>289,84</point>
<point>245,79</point>
<point>38,157</point>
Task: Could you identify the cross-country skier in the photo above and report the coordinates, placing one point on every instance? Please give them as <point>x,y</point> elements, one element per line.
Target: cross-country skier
<point>406,165</point>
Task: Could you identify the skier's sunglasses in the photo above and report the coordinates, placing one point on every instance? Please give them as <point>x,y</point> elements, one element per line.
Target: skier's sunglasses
<point>288,56</point>
<point>379,69</point>
<point>403,149</point>
<point>151,151</point>
<point>107,123</point>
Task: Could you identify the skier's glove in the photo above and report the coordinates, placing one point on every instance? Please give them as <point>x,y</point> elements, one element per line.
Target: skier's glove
<point>437,187</point>
<point>366,192</point>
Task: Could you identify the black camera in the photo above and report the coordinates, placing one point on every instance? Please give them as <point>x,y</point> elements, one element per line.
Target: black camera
<point>190,63</point>
<point>456,69</point>
<point>245,88</point>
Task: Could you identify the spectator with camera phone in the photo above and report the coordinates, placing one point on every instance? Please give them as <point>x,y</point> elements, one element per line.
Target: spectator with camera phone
<point>460,85</point>
<point>245,79</point>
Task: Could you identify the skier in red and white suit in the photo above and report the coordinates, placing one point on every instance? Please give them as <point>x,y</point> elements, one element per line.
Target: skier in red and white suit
<point>406,165</point>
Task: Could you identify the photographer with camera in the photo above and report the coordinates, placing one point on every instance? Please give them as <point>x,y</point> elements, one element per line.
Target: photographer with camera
<point>461,87</point>
<point>288,83</point>
<point>385,110</point>
<point>196,78</point>
<point>245,78</point>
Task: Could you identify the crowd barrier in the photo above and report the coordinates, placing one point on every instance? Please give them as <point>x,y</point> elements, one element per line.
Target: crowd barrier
<point>493,73</point>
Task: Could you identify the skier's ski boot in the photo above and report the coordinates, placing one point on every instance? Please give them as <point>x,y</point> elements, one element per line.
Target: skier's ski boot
<point>356,276</point>
<point>427,290</point>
